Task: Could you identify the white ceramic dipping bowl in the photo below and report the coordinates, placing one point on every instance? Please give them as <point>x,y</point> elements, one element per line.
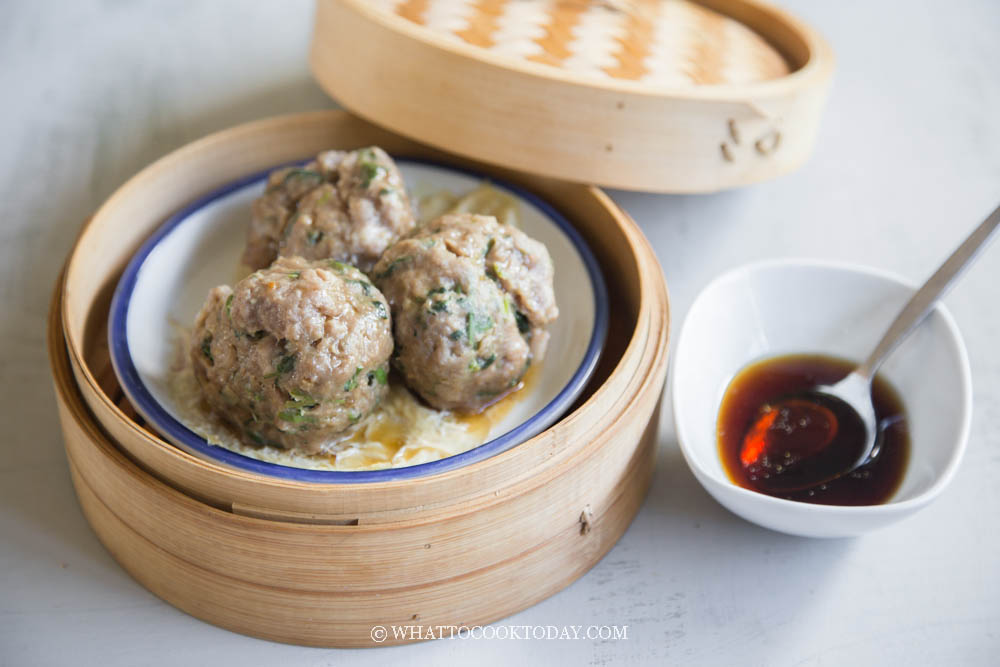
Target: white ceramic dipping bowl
<point>805,306</point>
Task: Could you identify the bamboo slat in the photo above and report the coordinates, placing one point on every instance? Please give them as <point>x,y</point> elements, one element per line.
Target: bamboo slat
<point>652,95</point>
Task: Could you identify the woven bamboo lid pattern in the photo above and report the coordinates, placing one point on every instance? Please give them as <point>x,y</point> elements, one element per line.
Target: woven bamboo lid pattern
<point>654,95</point>
<point>662,43</point>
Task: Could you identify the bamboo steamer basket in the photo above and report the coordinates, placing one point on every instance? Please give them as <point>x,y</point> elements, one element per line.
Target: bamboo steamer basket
<point>321,564</point>
<point>654,95</point>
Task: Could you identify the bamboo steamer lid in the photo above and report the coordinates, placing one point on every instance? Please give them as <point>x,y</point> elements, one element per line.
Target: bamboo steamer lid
<point>651,95</point>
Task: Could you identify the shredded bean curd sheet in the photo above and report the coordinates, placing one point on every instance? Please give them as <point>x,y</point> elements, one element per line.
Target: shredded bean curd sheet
<point>401,431</point>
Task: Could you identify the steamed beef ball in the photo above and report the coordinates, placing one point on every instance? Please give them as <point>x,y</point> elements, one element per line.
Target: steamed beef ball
<point>296,353</point>
<point>470,300</point>
<point>356,219</point>
<point>347,206</point>
<point>270,212</point>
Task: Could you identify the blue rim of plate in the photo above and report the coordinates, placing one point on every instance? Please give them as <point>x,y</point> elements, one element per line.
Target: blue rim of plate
<point>159,418</point>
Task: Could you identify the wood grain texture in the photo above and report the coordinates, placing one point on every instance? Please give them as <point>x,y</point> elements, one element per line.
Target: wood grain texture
<point>320,564</point>
<point>640,128</point>
<point>345,620</point>
<point>328,585</point>
<point>640,316</point>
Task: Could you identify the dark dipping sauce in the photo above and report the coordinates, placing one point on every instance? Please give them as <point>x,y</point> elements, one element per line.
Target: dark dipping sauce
<point>749,403</point>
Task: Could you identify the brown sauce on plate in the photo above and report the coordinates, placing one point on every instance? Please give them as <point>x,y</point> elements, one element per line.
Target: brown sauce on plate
<point>392,434</point>
<point>480,423</point>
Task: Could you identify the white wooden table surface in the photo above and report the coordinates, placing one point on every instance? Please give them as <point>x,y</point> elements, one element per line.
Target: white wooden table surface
<point>907,161</point>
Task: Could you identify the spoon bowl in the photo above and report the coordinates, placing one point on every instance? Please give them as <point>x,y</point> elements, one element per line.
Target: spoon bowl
<point>855,391</point>
<point>812,437</point>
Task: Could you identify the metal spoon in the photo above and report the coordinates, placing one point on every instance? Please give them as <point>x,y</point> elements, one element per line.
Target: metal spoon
<point>855,389</point>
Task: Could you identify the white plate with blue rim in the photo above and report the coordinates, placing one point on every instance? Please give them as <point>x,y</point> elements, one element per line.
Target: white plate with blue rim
<point>200,246</point>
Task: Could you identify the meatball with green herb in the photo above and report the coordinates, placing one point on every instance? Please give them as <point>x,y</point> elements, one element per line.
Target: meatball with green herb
<point>295,353</point>
<point>344,205</point>
<point>471,299</point>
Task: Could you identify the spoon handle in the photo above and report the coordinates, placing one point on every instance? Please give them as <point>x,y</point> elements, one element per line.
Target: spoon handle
<point>921,303</point>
